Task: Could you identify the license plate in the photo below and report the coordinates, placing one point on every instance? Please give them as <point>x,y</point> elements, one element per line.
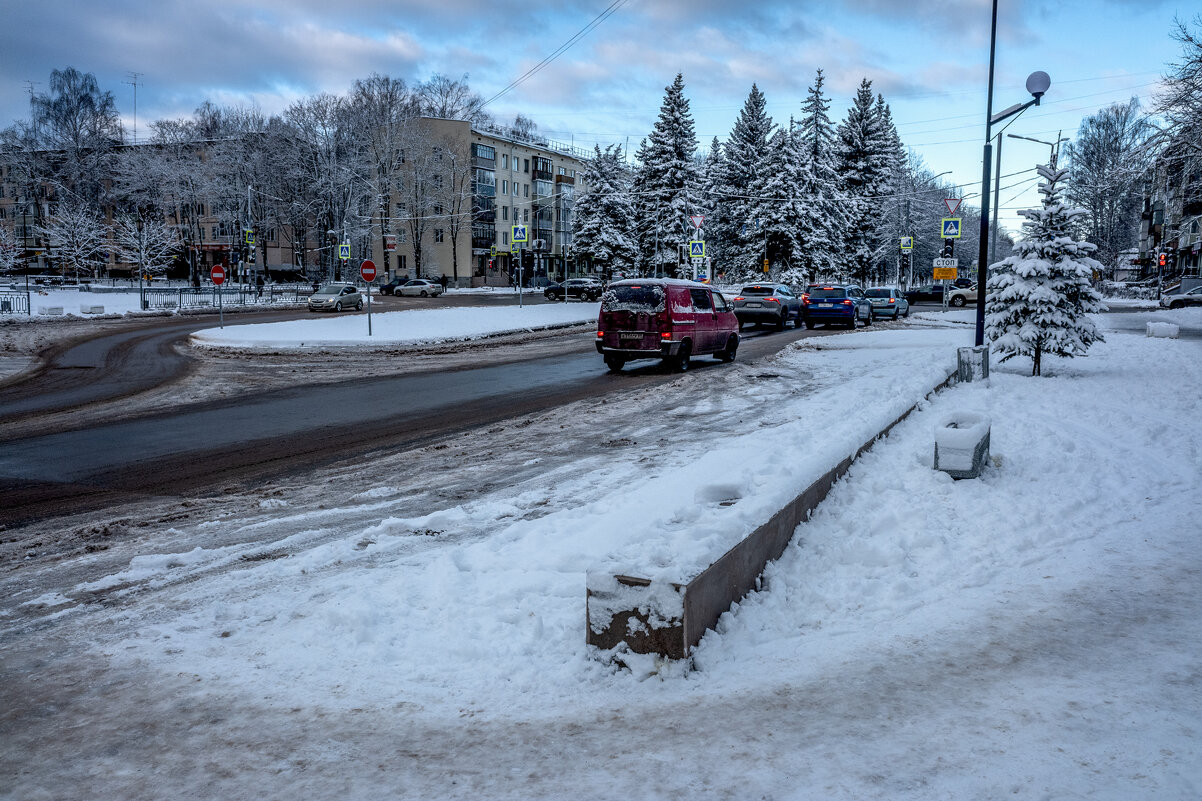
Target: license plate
<point>826,305</point>
<point>630,335</point>
<point>753,305</point>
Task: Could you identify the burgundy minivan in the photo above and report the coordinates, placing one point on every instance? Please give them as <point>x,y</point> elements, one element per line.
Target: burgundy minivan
<point>664,318</point>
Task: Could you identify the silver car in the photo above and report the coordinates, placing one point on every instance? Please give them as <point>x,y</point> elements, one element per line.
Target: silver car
<point>888,301</point>
<point>1181,300</point>
<point>419,288</point>
<point>336,297</point>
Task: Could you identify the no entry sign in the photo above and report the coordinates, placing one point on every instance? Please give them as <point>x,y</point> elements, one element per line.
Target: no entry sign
<point>218,274</point>
<point>368,270</point>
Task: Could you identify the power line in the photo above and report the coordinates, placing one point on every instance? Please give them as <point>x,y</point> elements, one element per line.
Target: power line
<point>563,48</point>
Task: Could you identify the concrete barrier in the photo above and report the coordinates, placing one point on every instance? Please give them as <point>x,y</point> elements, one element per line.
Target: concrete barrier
<point>670,618</point>
<point>91,310</point>
<point>50,309</point>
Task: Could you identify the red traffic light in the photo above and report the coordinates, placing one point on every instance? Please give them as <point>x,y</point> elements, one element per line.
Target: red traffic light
<point>1162,259</point>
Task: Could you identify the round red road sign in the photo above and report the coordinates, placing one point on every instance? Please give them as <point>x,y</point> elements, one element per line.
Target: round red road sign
<point>368,270</point>
<point>218,274</point>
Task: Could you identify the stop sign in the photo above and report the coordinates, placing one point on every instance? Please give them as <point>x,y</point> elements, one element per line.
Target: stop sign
<point>368,270</point>
<point>218,274</point>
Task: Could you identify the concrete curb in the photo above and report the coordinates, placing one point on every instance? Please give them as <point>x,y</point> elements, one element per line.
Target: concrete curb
<point>668,618</point>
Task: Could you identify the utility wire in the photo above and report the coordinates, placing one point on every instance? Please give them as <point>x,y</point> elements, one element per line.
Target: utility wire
<point>563,48</point>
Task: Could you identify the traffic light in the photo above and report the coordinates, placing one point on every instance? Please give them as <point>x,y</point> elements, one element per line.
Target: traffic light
<point>949,248</point>
<point>1163,259</point>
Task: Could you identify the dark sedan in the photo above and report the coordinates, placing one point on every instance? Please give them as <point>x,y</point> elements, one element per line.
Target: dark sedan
<point>926,292</point>
<point>580,288</point>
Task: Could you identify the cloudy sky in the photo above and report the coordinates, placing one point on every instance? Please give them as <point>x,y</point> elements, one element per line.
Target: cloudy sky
<point>928,57</point>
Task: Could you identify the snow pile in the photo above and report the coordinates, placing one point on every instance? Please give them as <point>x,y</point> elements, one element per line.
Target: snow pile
<point>1164,330</point>
<point>399,327</point>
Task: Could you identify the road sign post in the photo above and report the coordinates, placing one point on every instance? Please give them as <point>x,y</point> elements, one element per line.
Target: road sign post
<point>367,271</point>
<point>218,276</point>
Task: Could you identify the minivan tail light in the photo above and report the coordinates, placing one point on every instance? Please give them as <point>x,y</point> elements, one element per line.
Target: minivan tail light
<point>666,335</point>
<point>600,334</point>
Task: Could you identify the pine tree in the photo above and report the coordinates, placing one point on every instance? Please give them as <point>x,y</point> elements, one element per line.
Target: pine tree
<point>863,165</point>
<point>746,155</point>
<point>711,204</point>
<point>773,202</point>
<point>1039,298</point>
<point>604,215</point>
<point>665,183</point>
<point>820,234</point>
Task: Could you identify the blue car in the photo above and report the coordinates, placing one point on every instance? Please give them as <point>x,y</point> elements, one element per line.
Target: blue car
<point>836,304</point>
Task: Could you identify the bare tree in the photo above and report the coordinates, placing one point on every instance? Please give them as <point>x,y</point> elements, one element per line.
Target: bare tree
<point>146,242</point>
<point>1107,165</point>
<point>76,127</point>
<point>77,236</point>
<point>456,197</point>
<point>10,251</point>
<point>450,99</point>
<point>1180,101</point>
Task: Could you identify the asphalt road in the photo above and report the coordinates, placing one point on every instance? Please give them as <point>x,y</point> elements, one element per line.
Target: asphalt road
<point>275,432</point>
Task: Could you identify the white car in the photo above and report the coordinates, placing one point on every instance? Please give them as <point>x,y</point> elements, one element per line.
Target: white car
<point>419,288</point>
<point>961,296</point>
<point>1180,301</point>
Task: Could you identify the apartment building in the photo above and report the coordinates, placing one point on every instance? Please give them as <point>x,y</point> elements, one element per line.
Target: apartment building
<point>512,182</point>
<point>1171,222</point>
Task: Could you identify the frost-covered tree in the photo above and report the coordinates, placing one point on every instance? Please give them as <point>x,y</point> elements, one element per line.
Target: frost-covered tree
<point>820,232</point>
<point>76,235</point>
<point>146,242</point>
<point>604,214</point>
<point>77,128</point>
<point>1039,298</point>
<point>665,182</point>
<point>741,226</point>
<point>777,204</point>
<point>864,163</point>
<point>9,250</point>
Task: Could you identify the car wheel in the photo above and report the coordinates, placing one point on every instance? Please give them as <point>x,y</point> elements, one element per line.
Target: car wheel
<point>783,322</point>
<point>869,320</point>
<point>958,301</point>
<point>682,358</point>
<point>338,306</point>
<point>359,306</point>
<point>425,294</point>
<point>732,347</point>
<point>615,363</point>
<point>811,325</point>
<point>907,314</point>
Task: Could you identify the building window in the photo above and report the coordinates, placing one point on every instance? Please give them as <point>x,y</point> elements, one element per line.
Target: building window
<point>484,152</point>
<point>525,165</point>
<point>400,237</point>
<point>505,161</point>
<point>504,187</point>
<point>400,261</point>
<point>515,188</point>
<point>504,212</point>
<point>437,234</point>
<point>525,215</point>
<point>527,189</point>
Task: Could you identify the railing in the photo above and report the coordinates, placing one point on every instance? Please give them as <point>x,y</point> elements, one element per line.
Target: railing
<point>189,298</point>
<point>14,303</point>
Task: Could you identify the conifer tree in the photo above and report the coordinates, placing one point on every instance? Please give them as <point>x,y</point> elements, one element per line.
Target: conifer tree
<point>821,228</point>
<point>746,155</point>
<point>604,215</point>
<point>1039,298</point>
<point>665,183</point>
<point>863,164</point>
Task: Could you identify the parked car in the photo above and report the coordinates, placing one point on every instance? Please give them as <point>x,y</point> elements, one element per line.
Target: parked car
<point>888,301</point>
<point>1191,298</point>
<point>926,292</point>
<point>771,304</point>
<point>837,303</point>
<point>419,288</point>
<point>336,297</point>
<point>580,288</point>
<point>391,287</point>
<point>960,296</point>
<point>665,318</point>
<point>964,282</point>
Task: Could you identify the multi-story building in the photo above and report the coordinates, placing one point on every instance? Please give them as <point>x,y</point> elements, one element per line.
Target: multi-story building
<point>483,185</point>
<point>1171,222</point>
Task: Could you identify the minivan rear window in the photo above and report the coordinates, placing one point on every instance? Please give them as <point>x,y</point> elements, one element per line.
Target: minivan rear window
<point>828,293</point>
<point>634,298</point>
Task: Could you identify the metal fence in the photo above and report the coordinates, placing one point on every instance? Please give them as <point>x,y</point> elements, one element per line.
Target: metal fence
<point>190,298</point>
<point>14,303</point>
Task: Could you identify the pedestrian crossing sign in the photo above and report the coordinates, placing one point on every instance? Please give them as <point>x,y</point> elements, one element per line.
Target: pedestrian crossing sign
<point>951,228</point>
<point>344,251</point>
<point>907,243</point>
<point>697,249</point>
<point>519,233</point>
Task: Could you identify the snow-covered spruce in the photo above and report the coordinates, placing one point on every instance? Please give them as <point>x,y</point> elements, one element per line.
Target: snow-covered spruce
<point>605,213</point>
<point>1039,299</point>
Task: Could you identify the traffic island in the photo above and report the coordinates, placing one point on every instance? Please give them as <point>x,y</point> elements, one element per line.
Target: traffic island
<point>669,618</point>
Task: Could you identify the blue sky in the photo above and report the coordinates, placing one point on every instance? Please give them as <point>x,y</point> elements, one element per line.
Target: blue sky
<point>928,57</point>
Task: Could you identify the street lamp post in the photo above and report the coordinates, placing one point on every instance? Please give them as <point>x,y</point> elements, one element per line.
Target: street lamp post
<point>1037,84</point>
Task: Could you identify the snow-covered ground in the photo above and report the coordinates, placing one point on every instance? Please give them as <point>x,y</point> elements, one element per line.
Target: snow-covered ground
<point>414,627</point>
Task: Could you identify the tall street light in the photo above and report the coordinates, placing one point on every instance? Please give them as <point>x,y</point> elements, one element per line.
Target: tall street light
<point>1037,84</point>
